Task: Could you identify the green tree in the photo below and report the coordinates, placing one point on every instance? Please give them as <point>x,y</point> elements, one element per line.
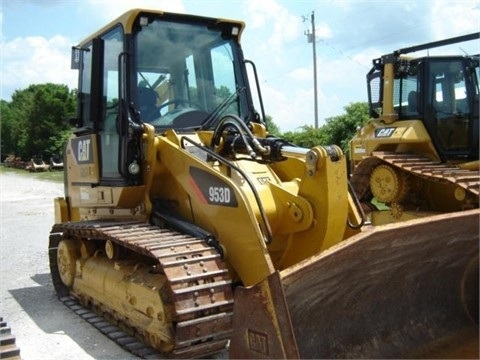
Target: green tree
<point>272,128</point>
<point>33,123</point>
<point>7,130</point>
<point>308,137</point>
<point>339,130</point>
<point>14,124</point>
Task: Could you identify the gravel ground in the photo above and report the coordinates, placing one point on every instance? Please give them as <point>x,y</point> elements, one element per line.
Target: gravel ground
<point>43,326</point>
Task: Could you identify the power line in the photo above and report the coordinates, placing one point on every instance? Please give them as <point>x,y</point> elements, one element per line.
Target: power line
<point>343,54</point>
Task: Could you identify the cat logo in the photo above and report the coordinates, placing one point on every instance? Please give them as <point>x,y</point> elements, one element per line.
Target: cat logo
<point>384,132</point>
<point>84,150</point>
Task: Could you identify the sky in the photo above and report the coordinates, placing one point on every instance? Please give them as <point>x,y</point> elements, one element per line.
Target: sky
<point>37,35</point>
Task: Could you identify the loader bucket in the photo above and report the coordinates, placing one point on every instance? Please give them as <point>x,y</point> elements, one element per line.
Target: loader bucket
<point>406,290</point>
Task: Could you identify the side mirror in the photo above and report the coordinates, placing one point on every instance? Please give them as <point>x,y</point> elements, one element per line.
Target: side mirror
<point>76,58</point>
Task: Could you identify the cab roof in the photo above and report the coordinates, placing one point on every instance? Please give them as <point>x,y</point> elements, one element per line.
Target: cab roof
<point>129,17</point>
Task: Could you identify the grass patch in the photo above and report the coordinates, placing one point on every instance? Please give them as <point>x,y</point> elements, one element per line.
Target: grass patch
<point>379,205</point>
<point>56,175</point>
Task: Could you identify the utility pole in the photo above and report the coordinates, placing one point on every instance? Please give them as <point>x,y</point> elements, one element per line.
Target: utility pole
<point>311,39</point>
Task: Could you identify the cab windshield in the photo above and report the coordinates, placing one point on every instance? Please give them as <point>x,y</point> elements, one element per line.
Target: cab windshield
<point>185,74</point>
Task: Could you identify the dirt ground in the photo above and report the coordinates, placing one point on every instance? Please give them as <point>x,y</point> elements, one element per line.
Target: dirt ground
<point>43,326</point>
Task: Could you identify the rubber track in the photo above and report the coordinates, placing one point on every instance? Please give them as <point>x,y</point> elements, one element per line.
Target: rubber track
<point>198,279</point>
<point>417,165</point>
<point>8,348</point>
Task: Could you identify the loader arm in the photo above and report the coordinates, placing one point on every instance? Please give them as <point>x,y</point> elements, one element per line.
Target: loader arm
<point>289,218</point>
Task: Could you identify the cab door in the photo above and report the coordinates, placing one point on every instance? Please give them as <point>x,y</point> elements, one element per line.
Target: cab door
<point>450,114</point>
<point>104,113</point>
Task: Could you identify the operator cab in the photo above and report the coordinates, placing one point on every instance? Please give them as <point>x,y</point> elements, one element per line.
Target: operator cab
<point>442,92</point>
<point>171,71</point>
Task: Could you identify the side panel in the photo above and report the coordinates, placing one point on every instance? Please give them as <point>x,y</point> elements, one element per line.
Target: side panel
<point>401,136</point>
<point>82,160</point>
<point>86,198</point>
<point>215,203</point>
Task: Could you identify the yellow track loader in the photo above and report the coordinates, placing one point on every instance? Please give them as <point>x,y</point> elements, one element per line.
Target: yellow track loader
<point>187,226</point>
<point>418,155</point>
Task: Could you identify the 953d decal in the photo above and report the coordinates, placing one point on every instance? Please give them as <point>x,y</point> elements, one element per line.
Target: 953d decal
<point>211,189</point>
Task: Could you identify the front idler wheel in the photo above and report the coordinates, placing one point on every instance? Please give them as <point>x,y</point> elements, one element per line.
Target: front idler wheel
<point>67,255</point>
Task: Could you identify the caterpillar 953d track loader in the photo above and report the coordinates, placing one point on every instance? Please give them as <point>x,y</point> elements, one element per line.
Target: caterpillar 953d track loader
<point>185,224</point>
<point>419,153</point>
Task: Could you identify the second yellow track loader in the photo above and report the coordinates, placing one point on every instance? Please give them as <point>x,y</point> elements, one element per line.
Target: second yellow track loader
<point>418,155</point>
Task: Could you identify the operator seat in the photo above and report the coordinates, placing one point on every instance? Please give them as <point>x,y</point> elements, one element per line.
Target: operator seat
<point>147,104</point>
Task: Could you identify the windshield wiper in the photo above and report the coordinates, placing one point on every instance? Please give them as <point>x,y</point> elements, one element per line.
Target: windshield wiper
<point>220,109</point>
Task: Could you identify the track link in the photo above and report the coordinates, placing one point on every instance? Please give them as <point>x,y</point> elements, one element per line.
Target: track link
<point>418,165</point>
<point>8,348</point>
<point>115,333</point>
<point>198,282</point>
<point>424,167</point>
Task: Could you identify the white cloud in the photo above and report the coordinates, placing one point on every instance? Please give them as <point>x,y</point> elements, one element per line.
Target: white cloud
<point>280,25</point>
<point>352,33</point>
<point>289,110</point>
<point>1,23</point>
<point>323,31</point>
<point>457,18</point>
<point>454,18</point>
<point>35,60</point>
<point>109,10</point>
<point>257,13</point>
<point>302,74</point>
